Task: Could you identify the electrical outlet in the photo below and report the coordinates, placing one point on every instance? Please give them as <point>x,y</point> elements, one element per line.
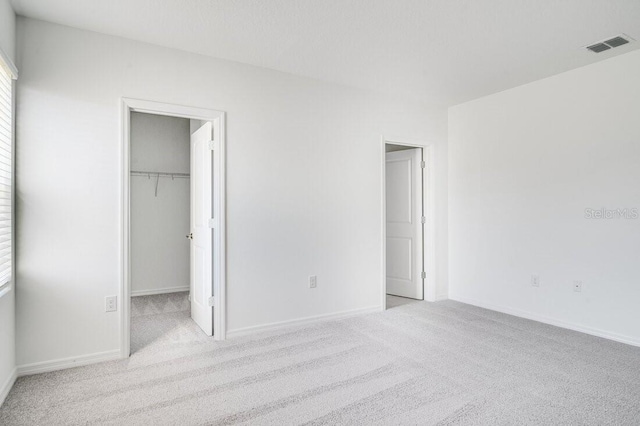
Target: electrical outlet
<point>535,280</point>
<point>111,303</point>
<point>313,281</point>
<point>577,286</point>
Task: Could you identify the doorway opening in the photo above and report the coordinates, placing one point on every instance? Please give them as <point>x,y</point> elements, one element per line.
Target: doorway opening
<point>160,206</point>
<point>173,226</point>
<point>407,223</point>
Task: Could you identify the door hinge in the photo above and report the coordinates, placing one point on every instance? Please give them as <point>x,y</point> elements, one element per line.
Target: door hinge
<point>423,164</point>
<point>212,301</point>
<point>212,223</point>
<point>213,145</point>
<point>423,219</point>
<point>424,275</point>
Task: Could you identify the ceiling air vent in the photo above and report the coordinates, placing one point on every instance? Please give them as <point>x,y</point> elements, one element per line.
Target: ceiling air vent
<point>610,43</point>
<point>598,47</point>
<point>616,41</point>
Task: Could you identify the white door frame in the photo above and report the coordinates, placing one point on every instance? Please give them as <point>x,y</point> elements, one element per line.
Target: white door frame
<point>219,277</point>
<point>428,197</point>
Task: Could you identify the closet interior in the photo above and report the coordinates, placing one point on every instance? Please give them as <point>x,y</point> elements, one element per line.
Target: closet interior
<point>160,226</point>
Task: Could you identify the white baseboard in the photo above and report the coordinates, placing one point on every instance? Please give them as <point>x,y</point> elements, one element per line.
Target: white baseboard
<point>61,364</point>
<point>301,321</point>
<point>5,388</point>
<point>152,292</point>
<point>442,297</point>
<point>551,321</point>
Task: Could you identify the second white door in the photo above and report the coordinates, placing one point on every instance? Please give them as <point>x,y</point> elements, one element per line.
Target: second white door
<point>404,211</point>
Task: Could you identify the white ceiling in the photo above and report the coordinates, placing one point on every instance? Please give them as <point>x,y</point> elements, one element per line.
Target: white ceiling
<point>437,51</point>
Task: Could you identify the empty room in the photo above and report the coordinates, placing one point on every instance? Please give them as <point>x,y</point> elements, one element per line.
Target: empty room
<point>320,212</point>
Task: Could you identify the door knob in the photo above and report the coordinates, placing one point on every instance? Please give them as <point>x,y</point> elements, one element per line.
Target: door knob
<point>190,236</point>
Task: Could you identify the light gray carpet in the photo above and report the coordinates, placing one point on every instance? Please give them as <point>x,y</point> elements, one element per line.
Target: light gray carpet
<point>162,322</point>
<point>421,363</point>
<point>159,304</point>
<point>395,301</point>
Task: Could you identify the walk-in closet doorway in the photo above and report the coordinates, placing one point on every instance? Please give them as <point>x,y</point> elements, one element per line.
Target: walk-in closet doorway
<point>173,225</point>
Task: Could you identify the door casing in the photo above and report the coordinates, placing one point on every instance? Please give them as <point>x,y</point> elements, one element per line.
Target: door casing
<point>128,106</point>
<point>428,197</point>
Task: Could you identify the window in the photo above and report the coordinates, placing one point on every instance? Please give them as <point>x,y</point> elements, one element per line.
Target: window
<point>6,172</point>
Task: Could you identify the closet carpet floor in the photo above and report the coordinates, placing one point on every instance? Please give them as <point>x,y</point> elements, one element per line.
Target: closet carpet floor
<point>419,363</point>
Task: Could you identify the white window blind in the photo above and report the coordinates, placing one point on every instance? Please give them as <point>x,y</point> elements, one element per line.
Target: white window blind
<point>6,175</point>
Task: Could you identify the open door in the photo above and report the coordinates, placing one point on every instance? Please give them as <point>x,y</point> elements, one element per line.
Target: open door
<point>404,223</point>
<point>202,209</point>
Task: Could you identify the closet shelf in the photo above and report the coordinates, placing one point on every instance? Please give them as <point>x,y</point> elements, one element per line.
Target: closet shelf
<point>159,174</point>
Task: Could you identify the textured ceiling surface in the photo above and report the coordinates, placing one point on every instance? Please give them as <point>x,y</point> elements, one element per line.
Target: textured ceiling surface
<point>441,52</point>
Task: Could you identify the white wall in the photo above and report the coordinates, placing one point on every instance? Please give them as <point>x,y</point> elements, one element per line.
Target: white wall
<point>392,148</point>
<point>303,184</point>
<point>195,125</point>
<point>159,249</point>
<point>7,301</point>
<point>7,29</point>
<point>524,165</point>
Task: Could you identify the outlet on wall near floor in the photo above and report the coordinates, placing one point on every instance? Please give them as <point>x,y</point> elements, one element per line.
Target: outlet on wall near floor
<point>577,286</point>
<point>111,303</point>
<point>535,280</point>
<point>313,281</point>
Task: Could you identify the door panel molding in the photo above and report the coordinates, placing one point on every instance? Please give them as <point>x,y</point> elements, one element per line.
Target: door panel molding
<point>397,273</point>
<point>406,217</point>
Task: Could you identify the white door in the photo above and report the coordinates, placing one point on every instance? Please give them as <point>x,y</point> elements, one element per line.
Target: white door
<point>404,223</point>
<point>201,230</point>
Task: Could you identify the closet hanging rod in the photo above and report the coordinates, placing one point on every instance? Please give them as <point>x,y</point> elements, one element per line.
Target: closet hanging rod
<point>159,174</point>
